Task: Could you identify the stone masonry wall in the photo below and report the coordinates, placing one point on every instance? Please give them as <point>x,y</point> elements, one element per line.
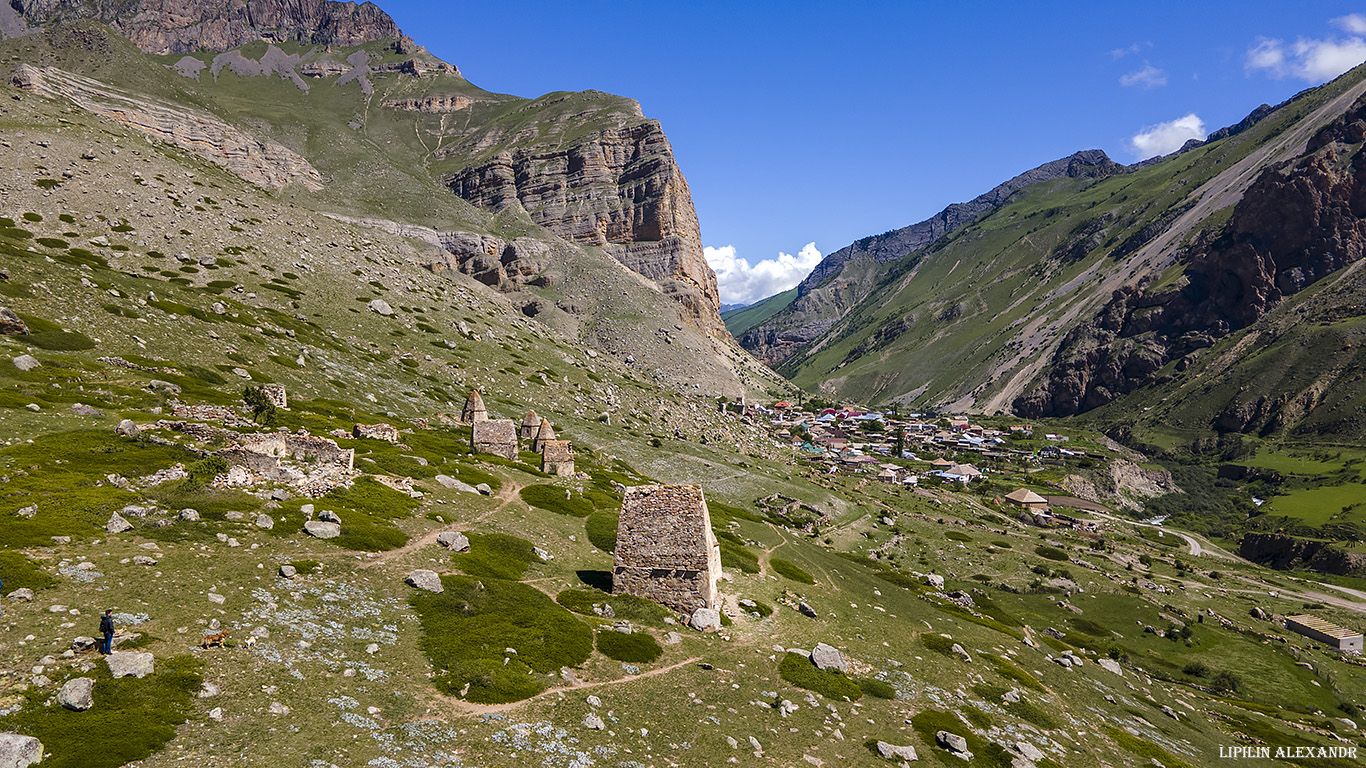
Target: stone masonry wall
<point>495,436</point>
<point>666,550</point>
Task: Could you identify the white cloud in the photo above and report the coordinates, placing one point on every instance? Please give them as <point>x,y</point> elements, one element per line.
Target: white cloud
<point>1148,78</point>
<point>1120,53</point>
<point>1165,138</point>
<point>1354,23</point>
<point>1313,60</point>
<point>741,283</point>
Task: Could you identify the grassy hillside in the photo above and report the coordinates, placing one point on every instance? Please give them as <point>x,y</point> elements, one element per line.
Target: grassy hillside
<point>740,320</point>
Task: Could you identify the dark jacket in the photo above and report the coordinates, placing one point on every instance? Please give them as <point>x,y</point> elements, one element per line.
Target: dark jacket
<point>106,625</point>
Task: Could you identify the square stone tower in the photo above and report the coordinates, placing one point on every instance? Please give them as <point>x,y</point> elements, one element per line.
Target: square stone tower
<point>496,436</point>
<point>666,550</point>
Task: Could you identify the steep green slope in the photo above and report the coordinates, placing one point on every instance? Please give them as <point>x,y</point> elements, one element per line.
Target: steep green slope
<point>740,320</point>
<point>969,322</point>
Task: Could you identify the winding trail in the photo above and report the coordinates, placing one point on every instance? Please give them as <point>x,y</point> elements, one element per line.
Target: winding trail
<point>505,496</point>
<point>462,707</point>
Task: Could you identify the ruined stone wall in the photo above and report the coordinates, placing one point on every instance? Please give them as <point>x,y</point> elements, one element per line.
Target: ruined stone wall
<point>385,432</point>
<point>495,436</point>
<point>275,393</point>
<point>666,550</point>
<point>320,449</point>
<point>223,413</point>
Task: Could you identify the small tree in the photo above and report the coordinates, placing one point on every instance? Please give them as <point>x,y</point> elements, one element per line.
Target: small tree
<point>262,409</point>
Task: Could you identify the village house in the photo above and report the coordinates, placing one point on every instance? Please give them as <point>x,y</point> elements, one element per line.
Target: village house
<point>1028,499</point>
<point>1325,632</point>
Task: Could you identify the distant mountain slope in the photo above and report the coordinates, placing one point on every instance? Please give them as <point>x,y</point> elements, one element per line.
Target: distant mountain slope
<point>740,320</point>
<point>1078,291</point>
<point>844,277</point>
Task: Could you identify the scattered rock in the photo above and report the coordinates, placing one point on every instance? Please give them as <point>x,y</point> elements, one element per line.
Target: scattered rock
<point>81,409</point>
<point>77,694</point>
<point>288,572</point>
<point>216,598</point>
<point>828,657</point>
<point>216,714</point>
<point>1110,665</point>
<point>960,652</point>
<point>265,522</point>
<point>806,610</point>
<point>328,516</point>
<point>706,620</point>
<point>127,428</point>
<point>144,560</point>
<point>130,664</point>
<point>321,530</point>
<point>164,386</point>
<point>276,708</point>
<point>934,580</point>
<point>117,524</point>
<point>1029,752</point>
<point>382,307</point>
<point>23,594</point>
<point>484,489</point>
<point>18,751</point>
<point>189,515</point>
<point>83,643</point>
<point>423,579</point>
<point>672,638</point>
<point>591,721</point>
<point>27,362</point>
<point>893,752</point>
<point>209,690</point>
<point>28,512</point>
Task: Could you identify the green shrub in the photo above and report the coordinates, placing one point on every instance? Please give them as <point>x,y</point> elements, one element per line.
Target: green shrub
<point>466,628</point>
<point>625,607</point>
<point>1011,671</point>
<point>367,510</point>
<point>133,718</point>
<point>1031,713</point>
<point>553,498</point>
<point>791,571</point>
<point>305,566</point>
<point>1002,543</point>
<point>986,753</point>
<point>957,536</point>
<point>635,648</point>
<point>938,644</point>
<point>602,530</point>
<point>877,688</point>
<point>60,341</point>
<point>19,572</point>
<point>734,555</point>
<point>763,609</point>
<point>496,555</point>
<point>801,672</point>
<point>1051,553</point>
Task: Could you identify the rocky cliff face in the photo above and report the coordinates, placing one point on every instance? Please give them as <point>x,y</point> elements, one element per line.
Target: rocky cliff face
<point>844,277</point>
<point>1286,552</point>
<point>619,189</point>
<point>185,26</point>
<point>1296,224</point>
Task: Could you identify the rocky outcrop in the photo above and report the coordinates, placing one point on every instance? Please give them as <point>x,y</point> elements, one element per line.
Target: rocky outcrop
<point>844,277</point>
<point>1287,552</point>
<point>263,163</point>
<point>1296,224</point>
<point>185,26</point>
<point>619,189</point>
<point>434,105</point>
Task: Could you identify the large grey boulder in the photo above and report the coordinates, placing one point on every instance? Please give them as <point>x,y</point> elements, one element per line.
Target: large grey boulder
<point>27,362</point>
<point>22,594</point>
<point>828,657</point>
<point>1029,751</point>
<point>19,751</point>
<point>952,742</point>
<point>591,721</point>
<point>288,572</point>
<point>456,485</point>
<point>127,428</point>
<point>265,522</point>
<point>83,643</point>
<point>423,579</point>
<point>382,307</point>
<point>321,530</point>
<point>1110,665</point>
<point>894,752</point>
<point>77,694</point>
<point>11,324</point>
<point>117,524</point>
<point>130,664</point>
<point>453,540</point>
<point>705,620</point>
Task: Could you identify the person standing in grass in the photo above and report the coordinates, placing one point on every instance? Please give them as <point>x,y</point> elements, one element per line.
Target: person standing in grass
<point>107,630</point>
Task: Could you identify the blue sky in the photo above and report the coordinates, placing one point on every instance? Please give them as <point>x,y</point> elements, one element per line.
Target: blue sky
<point>802,126</point>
